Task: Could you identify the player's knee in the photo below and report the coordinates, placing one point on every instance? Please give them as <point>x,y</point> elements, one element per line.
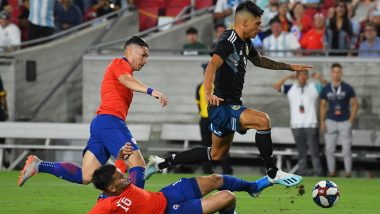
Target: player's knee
<point>265,121</point>
<point>87,180</point>
<point>229,196</point>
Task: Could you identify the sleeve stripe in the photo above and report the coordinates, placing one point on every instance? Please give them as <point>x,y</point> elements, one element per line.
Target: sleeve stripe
<point>232,37</point>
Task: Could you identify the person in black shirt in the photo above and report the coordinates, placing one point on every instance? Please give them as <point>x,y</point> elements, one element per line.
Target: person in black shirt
<point>226,70</point>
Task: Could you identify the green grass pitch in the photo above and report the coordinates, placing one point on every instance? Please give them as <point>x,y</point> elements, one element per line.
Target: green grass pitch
<point>47,194</point>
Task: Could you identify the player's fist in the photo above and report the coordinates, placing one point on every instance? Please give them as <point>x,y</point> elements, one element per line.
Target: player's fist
<point>125,151</point>
<point>161,98</point>
<point>213,100</point>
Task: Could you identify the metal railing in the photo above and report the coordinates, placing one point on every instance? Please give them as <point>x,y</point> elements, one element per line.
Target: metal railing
<point>110,45</point>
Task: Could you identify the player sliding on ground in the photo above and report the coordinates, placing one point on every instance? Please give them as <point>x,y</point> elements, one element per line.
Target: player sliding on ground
<point>226,71</point>
<point>184,196</point>
<point>109,131</point>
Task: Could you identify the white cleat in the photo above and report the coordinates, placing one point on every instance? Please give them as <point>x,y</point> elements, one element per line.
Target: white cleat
<point>30,169</point>
<point>152,166</point>
<point>286,179</point>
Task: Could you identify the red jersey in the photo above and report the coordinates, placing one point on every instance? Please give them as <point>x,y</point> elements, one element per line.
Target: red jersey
<point>312,40</point>
<point>132,201</point>
<point>115,97</point>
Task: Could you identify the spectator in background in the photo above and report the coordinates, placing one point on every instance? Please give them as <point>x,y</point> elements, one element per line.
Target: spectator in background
<point>314,38</point>
<point>355,25</point>
<point>284,17</point>
<point>67,15</point>
<point>338,96</point>
<point>23,20</point>
<point>3,116</point>
<point>269,13</point>
<point>301,22</point>
<point>193,46</point>
<point>218,30</point>
<point>206,133</point>
<point>361,8</point>
<point>41,18</point>
<point>280,43</point>
<point>224,12</point>
<point>12,34</point>
<point>3,4</point>
<point>303,97</point>
<point>374,18</point>
<point>103,7</point>
<point>371,46</point>
<point>339,34</point>
<point>311,7</point>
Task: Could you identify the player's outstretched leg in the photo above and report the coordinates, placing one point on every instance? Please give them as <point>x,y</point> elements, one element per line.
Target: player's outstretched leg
<point>194,155</point>
<point>66,171</point>
<point>233,184</point>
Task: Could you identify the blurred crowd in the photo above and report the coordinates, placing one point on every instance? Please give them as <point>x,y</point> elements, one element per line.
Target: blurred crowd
<point>23,20</point>
<point>311,27</point>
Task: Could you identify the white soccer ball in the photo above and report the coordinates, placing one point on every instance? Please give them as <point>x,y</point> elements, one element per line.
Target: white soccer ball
<point>326,194</point>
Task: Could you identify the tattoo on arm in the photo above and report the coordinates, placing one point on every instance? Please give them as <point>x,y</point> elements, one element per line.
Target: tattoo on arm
<point>269,63</point>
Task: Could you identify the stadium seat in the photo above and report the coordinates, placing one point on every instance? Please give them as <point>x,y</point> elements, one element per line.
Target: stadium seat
<point>199,4</point>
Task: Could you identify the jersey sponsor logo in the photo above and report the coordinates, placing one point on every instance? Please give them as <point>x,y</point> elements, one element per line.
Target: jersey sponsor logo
<point>176,206</point>
<point>124,203</point>
<point>235,107</point>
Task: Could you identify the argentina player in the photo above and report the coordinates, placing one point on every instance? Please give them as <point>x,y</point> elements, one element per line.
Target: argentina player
<point>226,71</point>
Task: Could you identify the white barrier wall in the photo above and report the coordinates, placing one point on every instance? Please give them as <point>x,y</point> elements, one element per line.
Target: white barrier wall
<point>177,76</point>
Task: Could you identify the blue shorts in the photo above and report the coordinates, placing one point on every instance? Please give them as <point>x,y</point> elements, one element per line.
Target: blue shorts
<point>225,119</point>
<point>108,134</point>
<point>183,196</point>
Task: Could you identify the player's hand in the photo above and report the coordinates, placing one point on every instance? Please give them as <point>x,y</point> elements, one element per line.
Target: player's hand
<point>125,151</point>
<point>161,98</point>
<point>213,100</point>
<point>298,67</point>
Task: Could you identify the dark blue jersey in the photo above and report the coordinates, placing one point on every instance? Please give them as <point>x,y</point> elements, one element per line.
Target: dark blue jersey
<point>229,78</point>
<point>338,99</point>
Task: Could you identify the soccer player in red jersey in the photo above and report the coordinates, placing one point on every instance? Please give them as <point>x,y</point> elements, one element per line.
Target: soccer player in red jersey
<point>184,196</point>
<point>109,131</point>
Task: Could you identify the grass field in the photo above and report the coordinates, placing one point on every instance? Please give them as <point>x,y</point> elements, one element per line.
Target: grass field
<point>47,194</point>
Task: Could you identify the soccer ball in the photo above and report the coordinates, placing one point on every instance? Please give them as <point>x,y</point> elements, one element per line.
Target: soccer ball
<point>326,194</point>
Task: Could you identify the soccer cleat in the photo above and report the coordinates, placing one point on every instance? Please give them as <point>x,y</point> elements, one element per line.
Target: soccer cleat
<point>152,166</point>
<point>259,186</point>
<point>30,169</point>
<point>286,179</point>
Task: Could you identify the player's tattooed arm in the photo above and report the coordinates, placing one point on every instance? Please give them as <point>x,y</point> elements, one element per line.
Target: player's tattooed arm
<point>269,63</point>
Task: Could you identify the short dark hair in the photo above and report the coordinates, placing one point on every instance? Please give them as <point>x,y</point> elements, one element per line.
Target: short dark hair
<point>136,41</point>
<point>251,8</point>
<point>336,65</point>
<point>274,20</point>
<point>220,25</point>
<point>191,30</point>
<point>102,176</point>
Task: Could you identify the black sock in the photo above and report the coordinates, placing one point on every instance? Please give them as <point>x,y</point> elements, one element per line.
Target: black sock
<point>197,154</point>
<point>264,143</point>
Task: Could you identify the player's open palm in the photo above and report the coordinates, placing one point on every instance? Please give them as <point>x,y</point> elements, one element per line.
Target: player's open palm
<point>213,100</point>
<point>299,67</point>
<point>161,98</point>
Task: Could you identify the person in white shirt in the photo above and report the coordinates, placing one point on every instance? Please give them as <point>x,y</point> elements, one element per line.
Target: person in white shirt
<point>303,97</point>
<point>224,10</point>
<point>10,31</point>
<point>279,43</point>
